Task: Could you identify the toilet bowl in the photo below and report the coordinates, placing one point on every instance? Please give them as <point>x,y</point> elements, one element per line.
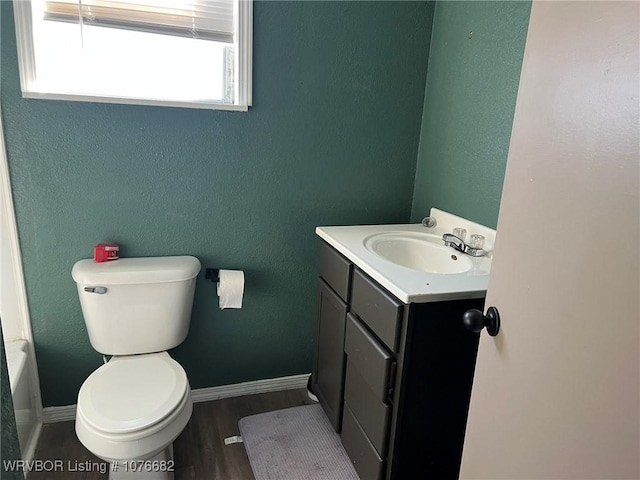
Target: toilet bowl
<point>132,408</point>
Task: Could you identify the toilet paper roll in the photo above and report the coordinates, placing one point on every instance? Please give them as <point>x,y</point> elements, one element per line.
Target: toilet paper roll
<point>231,288</point>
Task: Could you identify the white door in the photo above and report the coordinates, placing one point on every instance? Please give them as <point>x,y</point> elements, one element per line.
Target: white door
<point>556,393</point>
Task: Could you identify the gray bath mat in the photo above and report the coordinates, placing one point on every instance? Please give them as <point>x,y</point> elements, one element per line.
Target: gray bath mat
<point>295,444</point>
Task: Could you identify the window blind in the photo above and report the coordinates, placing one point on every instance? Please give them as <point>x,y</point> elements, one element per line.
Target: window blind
<point>203,19</point>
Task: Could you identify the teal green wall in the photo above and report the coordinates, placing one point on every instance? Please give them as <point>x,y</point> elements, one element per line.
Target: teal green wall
<point>331,139</point>
<point>468,108</point>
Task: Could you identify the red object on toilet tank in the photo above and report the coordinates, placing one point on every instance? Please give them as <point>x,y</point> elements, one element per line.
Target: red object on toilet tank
<point>104,252</point>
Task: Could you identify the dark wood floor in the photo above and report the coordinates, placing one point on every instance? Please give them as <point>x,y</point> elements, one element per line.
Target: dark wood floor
<point>199,452</point>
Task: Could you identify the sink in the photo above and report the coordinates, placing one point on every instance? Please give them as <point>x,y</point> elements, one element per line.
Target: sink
<point>423,252</point>
<point>411,261</point>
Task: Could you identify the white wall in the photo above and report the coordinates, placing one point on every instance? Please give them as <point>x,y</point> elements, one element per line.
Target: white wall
<point>10,311</point>
<point>13,302</point>
<point>14,312</point>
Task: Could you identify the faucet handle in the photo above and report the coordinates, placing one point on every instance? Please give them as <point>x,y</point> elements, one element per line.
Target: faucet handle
<point>476,241</point>
<point>460,232</point>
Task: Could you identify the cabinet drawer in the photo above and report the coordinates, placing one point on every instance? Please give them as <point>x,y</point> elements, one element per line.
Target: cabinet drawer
<point>372,361</point>
<point>372,414</point>
<point>380,311</point>
<point>335,270</point>
<point>366,461</point>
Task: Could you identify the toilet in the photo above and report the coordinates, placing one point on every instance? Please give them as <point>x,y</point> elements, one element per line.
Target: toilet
<point>132,408</point>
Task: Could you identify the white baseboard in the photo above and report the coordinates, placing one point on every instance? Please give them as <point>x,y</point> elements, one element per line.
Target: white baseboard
<point>68,412</point>
<point>250,388</point>
<point>59,414</point>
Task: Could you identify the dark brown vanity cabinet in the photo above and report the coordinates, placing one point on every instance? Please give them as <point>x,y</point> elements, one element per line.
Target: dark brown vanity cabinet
<point>394,379</point>
<point>327,380</point>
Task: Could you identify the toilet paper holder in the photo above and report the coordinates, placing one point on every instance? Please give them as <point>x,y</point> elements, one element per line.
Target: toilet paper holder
<point>212,274</point>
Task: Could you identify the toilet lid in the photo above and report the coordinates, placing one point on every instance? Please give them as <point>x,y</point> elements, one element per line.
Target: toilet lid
<point>131,393</point>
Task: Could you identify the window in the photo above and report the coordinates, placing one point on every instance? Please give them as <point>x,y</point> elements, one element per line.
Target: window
<point>193,53</point>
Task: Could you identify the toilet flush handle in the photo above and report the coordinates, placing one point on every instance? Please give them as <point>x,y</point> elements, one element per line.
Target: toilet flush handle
<point>99,290</point>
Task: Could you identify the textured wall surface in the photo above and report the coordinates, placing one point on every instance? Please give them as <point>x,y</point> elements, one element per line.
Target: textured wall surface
<point>469,104</point>
<point>332,138</point>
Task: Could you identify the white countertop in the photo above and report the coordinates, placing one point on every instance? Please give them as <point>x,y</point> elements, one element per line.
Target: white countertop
<point>408,285</point>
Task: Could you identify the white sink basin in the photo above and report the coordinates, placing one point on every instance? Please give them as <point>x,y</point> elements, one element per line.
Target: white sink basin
<point>411,261</point>
<point>418,251</point>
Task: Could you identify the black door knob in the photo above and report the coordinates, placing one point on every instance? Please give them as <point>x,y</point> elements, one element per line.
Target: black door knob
<point>475,321</point>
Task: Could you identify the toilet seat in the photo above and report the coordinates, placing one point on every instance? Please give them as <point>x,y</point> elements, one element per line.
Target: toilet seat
<point>140,445</point>
<point>132,393</point>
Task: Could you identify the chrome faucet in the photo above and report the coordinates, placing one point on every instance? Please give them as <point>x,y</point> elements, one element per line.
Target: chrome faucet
<point>455,242</point>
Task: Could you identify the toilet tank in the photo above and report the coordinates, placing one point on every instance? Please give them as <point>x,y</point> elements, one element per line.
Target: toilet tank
<point>136,305</point>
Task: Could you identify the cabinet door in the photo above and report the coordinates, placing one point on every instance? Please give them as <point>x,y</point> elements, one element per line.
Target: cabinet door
<point>329,364</point>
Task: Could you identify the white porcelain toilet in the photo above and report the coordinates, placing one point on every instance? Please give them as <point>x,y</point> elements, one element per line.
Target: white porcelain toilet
<point>132,408</point>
